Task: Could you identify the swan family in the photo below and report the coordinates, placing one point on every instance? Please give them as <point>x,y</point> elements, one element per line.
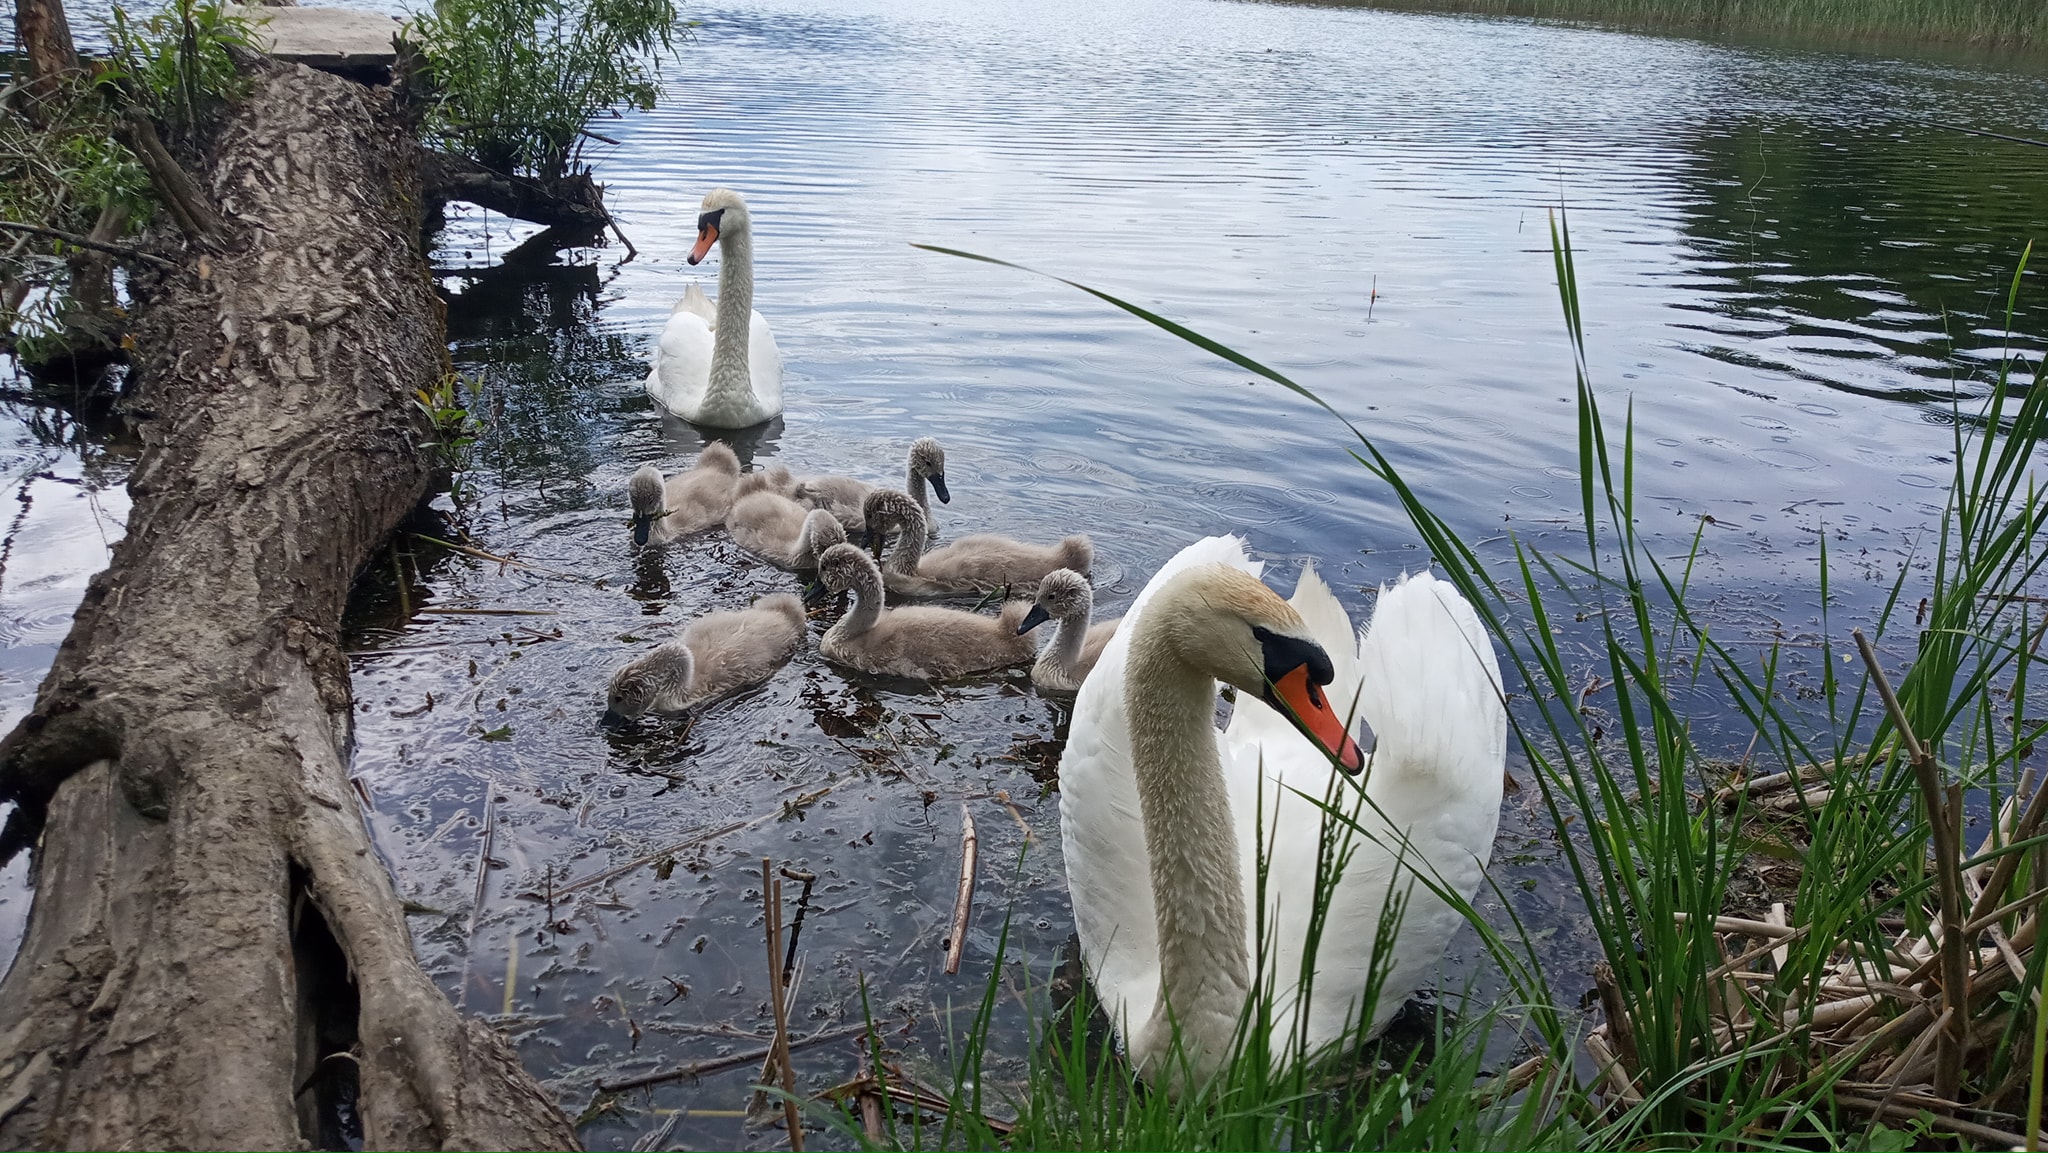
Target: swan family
<point>1196,857</point>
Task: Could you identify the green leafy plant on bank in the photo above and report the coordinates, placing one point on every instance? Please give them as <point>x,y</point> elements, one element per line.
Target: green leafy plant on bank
<point>178,62</point>
<point>446,406</point>
<point>1750,1036</point>
<point>521,80</point>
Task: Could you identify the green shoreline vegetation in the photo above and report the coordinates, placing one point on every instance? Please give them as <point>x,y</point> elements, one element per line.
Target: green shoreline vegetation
<point>2009,24</point>
<point>1889,999</point>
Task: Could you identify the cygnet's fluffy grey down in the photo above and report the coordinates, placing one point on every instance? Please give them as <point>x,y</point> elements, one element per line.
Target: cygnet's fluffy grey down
<point>977,563</point>
<point>921,642</point>
<point>1066,597</point>
<point>844,495</point>
<point>788,534</point>
<point>687,502</point>
<point>716,654</point>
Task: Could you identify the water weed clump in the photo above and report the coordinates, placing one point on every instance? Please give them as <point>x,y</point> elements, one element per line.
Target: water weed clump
<point>1888,996</point>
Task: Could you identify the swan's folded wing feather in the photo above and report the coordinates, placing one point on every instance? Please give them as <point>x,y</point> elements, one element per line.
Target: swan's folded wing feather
<point>682,363</point>
<point>764,365</point>
<point>696,303</point>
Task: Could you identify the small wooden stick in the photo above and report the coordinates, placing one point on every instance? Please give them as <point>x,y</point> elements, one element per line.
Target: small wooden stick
<point>1619,1027</point>
<point>771,892</point>
<point>2009,863</point>
<point>963,898</point>
<point>1783,953</point>
<point>1955,980</point>
<point>1745,926</point>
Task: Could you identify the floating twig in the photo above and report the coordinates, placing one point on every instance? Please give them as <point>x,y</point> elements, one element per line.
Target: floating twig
<point>731,1061</point>
<point>796,925</point>
<point>963,897</point>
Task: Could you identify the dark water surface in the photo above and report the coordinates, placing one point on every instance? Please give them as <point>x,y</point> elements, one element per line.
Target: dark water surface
<point>1784,268</point>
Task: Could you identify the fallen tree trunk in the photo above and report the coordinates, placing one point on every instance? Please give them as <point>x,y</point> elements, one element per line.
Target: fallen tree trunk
<point>573,202</point>
<point>216,957</point>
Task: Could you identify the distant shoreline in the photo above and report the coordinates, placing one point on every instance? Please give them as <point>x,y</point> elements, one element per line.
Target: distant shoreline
<point>1996,25</point>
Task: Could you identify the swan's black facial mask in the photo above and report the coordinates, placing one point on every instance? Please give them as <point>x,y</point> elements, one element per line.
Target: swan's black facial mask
<point>707,233</point>
<point>1295,671</point>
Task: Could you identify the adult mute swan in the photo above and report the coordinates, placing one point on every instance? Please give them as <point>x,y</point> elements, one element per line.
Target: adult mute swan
<point>1157,808</point>
<point>717,365</point>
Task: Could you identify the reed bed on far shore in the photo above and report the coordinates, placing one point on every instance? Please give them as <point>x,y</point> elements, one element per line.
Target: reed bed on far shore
<point>2012,24</point>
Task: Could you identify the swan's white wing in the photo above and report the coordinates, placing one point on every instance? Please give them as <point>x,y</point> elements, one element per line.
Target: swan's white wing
<point>764,364</point>
<point>1425,678</point>
<point>1101,825</point>
<point>694,301</point>
<point>682,361</point>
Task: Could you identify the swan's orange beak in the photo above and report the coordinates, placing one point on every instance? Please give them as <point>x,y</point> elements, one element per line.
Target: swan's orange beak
<point>707,235</point>
<point>1304,703</point>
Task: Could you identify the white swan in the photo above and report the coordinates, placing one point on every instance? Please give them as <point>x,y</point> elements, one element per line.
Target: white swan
<point>1157,808</point>
<point>717,365</point>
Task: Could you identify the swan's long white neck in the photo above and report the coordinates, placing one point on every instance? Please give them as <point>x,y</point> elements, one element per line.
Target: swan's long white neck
<point>731,377</point>
<point>1191,845</point>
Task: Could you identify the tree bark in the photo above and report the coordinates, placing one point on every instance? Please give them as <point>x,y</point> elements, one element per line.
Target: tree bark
<point>216,957</point>
<point>47,46</point>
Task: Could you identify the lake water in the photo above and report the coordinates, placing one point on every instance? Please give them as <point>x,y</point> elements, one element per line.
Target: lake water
<point>1787,267</point>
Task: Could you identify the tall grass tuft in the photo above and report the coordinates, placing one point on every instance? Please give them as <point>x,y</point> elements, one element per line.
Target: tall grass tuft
<point>1843,1014</point>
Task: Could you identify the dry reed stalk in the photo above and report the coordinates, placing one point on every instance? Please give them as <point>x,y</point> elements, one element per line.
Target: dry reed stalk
<point>1943,821</point>
<point>771,892</point>
<point>1609,1064</point>
<point>963,897</point>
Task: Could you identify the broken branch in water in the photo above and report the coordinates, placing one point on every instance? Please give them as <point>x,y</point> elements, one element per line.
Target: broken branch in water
<point>730,1061</point>
<point>963,898</point>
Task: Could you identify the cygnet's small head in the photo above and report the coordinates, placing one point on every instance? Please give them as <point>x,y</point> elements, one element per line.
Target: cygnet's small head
<point>723,212</point>
<point>1224,622</point>
<point>928,460</point>
<point>821,531</point>
<point>637,684</point>
<point>1063,595</point>
<point>647,493</point>
<point>885,509</point>
<point>840,568</point>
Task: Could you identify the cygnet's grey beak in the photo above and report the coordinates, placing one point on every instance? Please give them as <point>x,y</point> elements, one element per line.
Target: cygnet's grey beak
<point>938,480</point>
<point>614,720</point>
<point>815,594</point>
<point>1037,616</point>
<point>642,527</point>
